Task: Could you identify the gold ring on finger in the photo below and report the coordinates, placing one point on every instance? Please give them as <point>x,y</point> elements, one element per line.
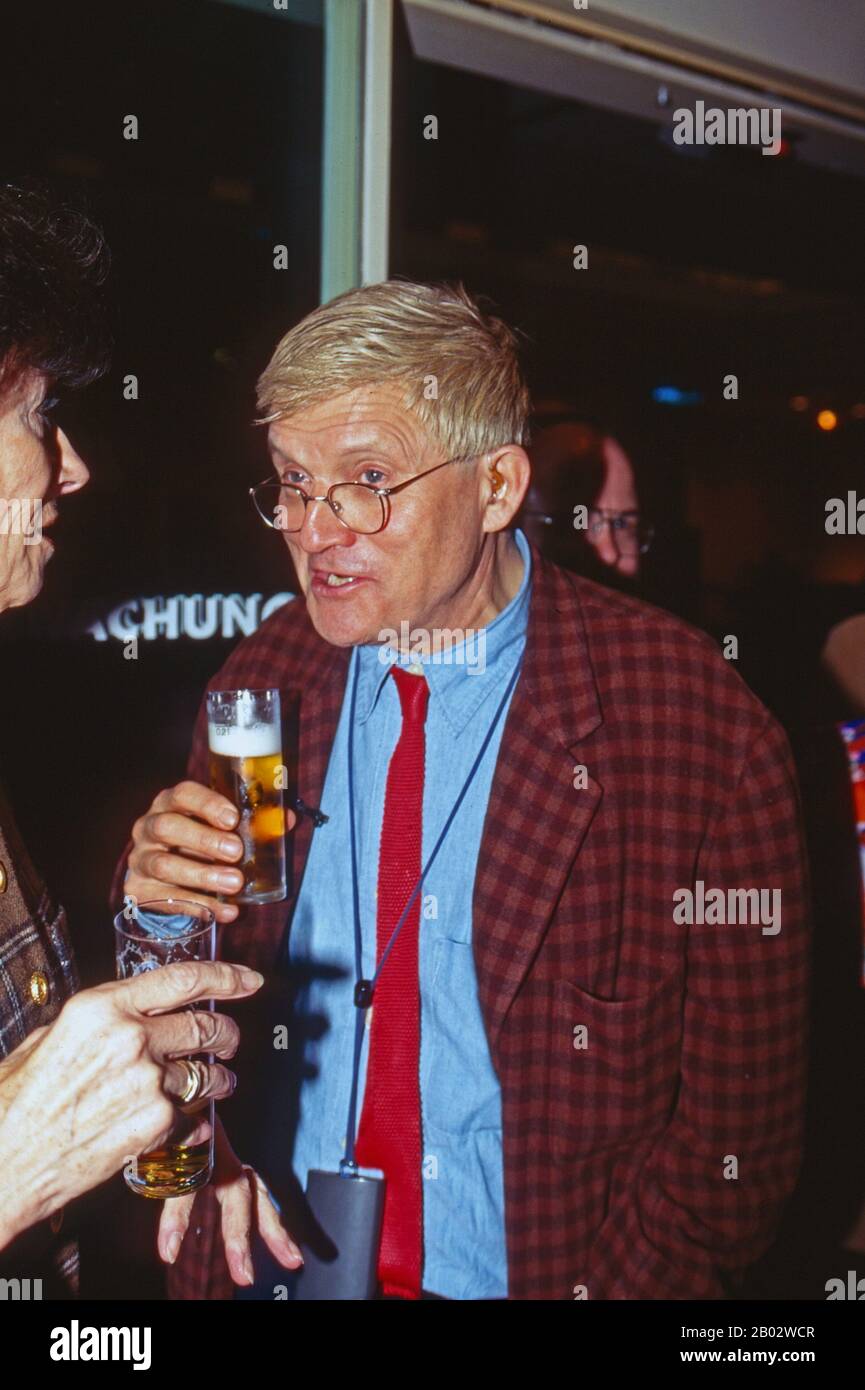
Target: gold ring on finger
<point>195,1079</point>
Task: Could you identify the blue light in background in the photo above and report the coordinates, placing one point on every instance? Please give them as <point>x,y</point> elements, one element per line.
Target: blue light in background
<point>671,395</point>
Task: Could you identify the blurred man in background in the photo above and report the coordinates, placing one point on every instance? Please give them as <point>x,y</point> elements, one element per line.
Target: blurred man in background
<point>583,493</point>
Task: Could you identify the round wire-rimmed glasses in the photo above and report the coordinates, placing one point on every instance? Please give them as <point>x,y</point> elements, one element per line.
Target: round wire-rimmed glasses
<point>360,507</point>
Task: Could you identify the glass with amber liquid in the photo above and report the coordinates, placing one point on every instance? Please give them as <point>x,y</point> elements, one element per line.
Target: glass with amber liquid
<point>244,735</point>
<point>148,936</point>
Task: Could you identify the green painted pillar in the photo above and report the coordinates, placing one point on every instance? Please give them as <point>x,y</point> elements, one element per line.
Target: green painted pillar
<point>341,147</point>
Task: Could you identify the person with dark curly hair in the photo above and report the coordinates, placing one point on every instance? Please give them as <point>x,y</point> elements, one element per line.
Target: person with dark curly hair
<point>86,1079</point>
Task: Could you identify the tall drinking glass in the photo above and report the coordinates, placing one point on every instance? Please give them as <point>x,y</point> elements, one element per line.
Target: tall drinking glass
<point>148,936</point>
<point>244,734</point>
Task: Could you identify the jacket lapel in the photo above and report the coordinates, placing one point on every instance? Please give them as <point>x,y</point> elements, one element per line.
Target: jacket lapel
<point>536,818</point>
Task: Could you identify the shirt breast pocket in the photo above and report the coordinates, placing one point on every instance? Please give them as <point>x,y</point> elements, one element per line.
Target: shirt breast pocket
<point>459,1087</point>
<point>613,1068</point>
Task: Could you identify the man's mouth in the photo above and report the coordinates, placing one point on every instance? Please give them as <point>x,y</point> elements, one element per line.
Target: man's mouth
<point>334,581</point>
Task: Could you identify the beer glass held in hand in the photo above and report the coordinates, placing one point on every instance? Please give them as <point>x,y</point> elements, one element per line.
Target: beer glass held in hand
<point>146,937</point>
<point>245,741</point>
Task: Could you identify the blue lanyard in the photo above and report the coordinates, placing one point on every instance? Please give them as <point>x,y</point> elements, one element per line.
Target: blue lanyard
<point>364,989</point>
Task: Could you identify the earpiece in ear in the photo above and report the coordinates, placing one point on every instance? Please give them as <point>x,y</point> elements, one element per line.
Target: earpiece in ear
<point>499,484</point>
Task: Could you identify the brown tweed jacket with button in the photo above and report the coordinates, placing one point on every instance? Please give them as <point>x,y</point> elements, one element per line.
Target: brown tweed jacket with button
<point>37,974</point>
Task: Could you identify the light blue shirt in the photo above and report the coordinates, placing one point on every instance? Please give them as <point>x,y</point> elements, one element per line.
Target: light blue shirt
<point>463,1194</point>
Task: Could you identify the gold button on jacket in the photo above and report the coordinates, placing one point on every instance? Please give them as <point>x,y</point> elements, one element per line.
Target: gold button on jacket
<point>38,972</point>
<point>39,988</point>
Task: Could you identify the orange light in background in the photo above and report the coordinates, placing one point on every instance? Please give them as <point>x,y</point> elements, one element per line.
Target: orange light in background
<point>858,410</point>
<point>827,419</point>
<point>799,402</point>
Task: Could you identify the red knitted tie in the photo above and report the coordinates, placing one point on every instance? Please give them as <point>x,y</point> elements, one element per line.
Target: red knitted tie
<point>389,1135</point>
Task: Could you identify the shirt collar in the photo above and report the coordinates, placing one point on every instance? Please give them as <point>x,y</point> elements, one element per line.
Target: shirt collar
<point>477,665</point>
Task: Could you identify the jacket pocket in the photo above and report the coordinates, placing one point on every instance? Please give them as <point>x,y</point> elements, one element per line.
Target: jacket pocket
<point>614,1069</point>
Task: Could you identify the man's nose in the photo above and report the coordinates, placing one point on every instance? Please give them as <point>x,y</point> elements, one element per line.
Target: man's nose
<point>322,528</point>
<point>603,542</point>
<point>608,551</point>
<point>74,473</point>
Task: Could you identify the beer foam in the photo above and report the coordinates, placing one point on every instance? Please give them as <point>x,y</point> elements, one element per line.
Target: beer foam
<point>262,741</point>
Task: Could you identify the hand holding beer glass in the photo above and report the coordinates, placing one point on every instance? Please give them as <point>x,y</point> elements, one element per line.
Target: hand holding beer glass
<point>245,742</point>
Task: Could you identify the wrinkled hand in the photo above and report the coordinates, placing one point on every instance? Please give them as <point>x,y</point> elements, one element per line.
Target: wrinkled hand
<point>245,1205</point>
<point>81,1095</point>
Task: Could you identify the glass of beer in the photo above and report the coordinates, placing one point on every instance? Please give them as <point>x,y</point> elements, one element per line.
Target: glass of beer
<point>146,937</point>
<point>244,733</point>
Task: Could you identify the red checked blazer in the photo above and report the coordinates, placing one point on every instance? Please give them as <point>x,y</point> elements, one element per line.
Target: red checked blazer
<point>653,1162</point>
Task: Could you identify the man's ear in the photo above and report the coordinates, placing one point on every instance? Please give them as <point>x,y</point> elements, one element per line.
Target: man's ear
<point>506,476</point>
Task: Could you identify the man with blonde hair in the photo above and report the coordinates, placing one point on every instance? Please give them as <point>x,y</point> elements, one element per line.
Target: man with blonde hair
<point>482,987</point>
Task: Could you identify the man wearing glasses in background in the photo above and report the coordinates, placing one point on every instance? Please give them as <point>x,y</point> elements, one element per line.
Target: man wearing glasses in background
<point>575,465</point>
<point>479,985</point>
